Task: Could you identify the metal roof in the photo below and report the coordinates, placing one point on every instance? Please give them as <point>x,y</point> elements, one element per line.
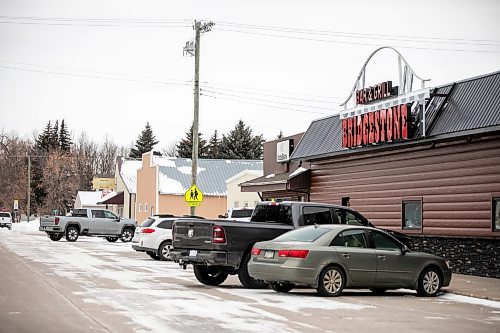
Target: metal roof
<point>460,106</point>
<point>175,174</point>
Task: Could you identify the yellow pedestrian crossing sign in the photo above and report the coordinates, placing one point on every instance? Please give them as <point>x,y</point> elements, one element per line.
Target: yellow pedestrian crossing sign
<point>193,196</point>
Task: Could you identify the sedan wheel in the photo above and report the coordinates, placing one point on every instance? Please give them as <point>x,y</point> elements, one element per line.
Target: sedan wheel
<point>127,235</point>
<point>429,283</point>
<point>331,281</point>
<point>164,251</point>
<point>281,287</point>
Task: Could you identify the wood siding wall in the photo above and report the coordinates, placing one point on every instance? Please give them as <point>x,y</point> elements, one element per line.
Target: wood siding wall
<point>456,182</point>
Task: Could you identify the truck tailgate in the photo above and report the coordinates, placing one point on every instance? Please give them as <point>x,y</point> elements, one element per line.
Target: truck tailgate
<point>193,234</point>
<point>47,221</point>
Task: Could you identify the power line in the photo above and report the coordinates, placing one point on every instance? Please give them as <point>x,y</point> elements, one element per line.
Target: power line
<point>264,105</point>
<point>269,95</point>
<point>364,35</point>
<point>93,76</point>
<point>210,84</point>
<point>267,100</point>
<point>355,43</point>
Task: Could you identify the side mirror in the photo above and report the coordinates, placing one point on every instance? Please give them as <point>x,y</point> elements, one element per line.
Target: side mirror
<point>405,249</point>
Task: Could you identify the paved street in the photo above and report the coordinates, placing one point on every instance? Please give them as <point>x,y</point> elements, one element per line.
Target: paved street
<point>93,285</point>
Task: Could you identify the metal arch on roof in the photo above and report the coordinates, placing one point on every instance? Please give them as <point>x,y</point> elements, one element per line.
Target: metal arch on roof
<point>402,72</point>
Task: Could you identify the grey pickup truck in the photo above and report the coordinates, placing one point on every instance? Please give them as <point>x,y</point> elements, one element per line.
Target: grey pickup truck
<point>218,248</point>
<point>88,222</point>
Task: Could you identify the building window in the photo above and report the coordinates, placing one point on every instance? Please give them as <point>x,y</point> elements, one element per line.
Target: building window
<point>145,208</point>
<point>236,204</point>
<point>412,214</point>
<point>496,214</point>
<point>140,208</point>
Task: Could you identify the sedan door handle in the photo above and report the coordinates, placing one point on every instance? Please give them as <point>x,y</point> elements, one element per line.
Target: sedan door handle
<point>346,255</point>
<point>382,257</point>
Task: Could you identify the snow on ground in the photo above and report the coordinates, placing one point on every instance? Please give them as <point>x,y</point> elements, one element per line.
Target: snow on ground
<point>158,296</point>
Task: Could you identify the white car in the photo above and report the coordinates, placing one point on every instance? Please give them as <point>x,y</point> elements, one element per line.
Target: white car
<point>154,236</point>
<point>238,214</point>
<point>5,220</point>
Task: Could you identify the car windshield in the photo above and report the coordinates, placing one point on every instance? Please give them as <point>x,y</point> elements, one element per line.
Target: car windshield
<point>242,213</point>
<point>4,215</point>
<point>147,223</point>
<point>302,235</point>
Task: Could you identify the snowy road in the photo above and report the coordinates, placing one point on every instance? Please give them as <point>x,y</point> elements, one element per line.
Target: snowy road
<point>124,291</point>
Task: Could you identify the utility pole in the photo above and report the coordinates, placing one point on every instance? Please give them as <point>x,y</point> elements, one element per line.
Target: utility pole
<point>188,49</point>
<point>28,209</point>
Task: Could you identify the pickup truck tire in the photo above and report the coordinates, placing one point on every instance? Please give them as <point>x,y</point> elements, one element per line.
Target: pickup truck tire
<point>164,250</point>
<point>246,280</point>
<point>153,255</point>
<point>127,235</point>
<point>281,287</point>
<point>71,234</point>
<point>111,239</point>
<point>55,237</point>
<point>210,275</point>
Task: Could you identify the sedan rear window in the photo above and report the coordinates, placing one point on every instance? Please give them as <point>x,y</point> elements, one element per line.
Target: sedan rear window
<point>302,235</point>
<point>4,214</point>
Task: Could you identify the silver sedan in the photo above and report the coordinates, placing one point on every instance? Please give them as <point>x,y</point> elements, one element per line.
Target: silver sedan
<point>333,257</point>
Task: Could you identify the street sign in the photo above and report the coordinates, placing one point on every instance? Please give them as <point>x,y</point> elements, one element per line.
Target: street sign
<point>193,196</point>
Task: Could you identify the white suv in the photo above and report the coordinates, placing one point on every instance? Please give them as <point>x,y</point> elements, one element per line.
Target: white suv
<point>5,220</point>
<point>154,236</point>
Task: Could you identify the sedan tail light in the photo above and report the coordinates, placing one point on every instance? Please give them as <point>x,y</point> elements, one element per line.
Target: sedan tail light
<point>302,254</point>
<point>218,235</point>
<point>147,230</point>
<point>256,251</point>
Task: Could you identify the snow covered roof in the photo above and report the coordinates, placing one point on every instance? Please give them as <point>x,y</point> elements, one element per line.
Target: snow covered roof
<point>175,174</point>
<point>89,198</point>
<point>128,172</point>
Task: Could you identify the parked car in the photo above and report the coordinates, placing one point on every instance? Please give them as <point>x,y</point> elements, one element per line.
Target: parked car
<point>154,236</point>
<point>238,214</point>
<point>5,220</point>
<point>88,222</point>
<point>217,248</point>
<point>333,257</point>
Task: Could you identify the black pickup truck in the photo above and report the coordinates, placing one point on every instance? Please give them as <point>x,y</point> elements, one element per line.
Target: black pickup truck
<point>217,248</point>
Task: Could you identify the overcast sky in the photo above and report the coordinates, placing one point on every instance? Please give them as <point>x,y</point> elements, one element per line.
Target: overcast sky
<point>108,67</point>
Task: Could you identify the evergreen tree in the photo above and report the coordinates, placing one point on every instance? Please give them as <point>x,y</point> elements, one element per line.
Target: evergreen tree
<point>42,143</point>
<point>185,146</point>
<point>145,142</point>
<point>213,148</point>
<point>241,144</point>
<point>64,139</point>
<point>54,136</point>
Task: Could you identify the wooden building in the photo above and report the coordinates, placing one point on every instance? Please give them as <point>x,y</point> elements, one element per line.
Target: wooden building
<point>442,188</point>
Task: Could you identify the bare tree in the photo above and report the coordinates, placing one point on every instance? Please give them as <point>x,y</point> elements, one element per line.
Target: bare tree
<point>170,149</point>
<point>107,157</point>
<point>86,156</point>
<point>60,180</point>
<point>13,171</point>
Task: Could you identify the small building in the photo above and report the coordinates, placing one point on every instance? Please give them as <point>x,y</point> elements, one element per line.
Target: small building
<point>235,197</point>
<point>283,179</point>
<point>163,181</point>
<point>89,199</point>
<point>122,200</point>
